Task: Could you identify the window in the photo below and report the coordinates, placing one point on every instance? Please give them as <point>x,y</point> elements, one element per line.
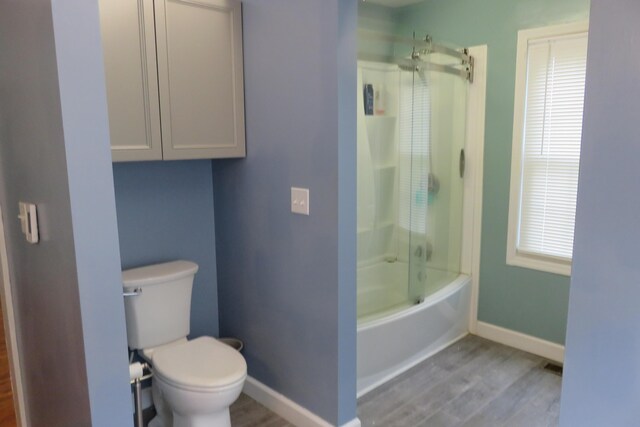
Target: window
<point>547,129</point>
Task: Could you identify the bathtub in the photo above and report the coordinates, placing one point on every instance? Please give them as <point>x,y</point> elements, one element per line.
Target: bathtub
<point>404,335</point>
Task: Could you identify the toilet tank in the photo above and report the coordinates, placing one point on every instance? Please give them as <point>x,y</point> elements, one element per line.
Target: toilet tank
<point>159,312</point>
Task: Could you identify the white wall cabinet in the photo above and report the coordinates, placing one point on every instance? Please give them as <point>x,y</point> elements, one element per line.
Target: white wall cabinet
<point>174,72</point>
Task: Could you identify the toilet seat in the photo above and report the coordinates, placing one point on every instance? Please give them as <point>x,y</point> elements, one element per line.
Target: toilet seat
<point>203,364</point>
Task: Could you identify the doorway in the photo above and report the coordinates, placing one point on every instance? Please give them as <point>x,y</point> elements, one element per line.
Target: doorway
<point>10,376</point>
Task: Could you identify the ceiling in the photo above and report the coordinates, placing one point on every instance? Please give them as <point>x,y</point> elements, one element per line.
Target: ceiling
<point>394,3</point>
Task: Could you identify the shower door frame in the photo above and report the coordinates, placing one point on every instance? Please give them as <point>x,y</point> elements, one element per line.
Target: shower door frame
<point>473,179</point>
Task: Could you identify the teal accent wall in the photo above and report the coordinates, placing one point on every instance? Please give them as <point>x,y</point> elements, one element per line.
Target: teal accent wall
<point>375,17</point>
<point>524,300</point>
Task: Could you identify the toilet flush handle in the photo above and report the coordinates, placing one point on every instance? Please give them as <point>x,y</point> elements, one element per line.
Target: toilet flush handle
<point>134,293</point>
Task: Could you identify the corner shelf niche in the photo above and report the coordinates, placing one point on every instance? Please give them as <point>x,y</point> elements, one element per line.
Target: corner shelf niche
<point>375,238</point>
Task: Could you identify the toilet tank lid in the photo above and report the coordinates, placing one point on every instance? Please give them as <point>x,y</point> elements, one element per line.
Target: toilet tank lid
<point>157,273</point>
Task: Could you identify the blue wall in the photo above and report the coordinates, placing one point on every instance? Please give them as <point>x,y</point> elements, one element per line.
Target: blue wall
<point>287,282</point>
<point>165,212</point>
<point>347,208</point>
<point>601,382</point>
<point>54,151</point>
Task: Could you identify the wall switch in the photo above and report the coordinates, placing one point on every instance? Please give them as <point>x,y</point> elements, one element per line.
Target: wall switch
<point>29,221</point>
<point>300,200</point>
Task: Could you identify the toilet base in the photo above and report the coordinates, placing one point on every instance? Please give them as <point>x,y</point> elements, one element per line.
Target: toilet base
<point>217,419</point>
<point>157,422</point>
<point>210,409</point>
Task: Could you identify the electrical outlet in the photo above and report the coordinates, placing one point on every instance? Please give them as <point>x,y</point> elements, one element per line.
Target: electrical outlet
<point>300,200</point>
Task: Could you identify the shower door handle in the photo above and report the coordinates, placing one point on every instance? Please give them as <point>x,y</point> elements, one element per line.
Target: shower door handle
<point>462,163</point>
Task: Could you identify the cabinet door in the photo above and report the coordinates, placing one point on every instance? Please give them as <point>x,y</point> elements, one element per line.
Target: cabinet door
<point>200,77</point>
<point>128,40</point>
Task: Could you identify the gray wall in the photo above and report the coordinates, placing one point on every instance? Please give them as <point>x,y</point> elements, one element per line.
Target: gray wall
<point>602,370</point>
<point>287,282</point>
<point>165,212</point>
<point>54,152</point>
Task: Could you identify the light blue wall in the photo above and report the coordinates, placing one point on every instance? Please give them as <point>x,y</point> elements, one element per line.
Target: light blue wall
<point>347,221</point>
<point>165,212</point>
<point>287,282</point>
<point>33,168</point>
<point>520,299</point>
<point>85,124</point>
<point>601,382</point>
<point>54,151</point>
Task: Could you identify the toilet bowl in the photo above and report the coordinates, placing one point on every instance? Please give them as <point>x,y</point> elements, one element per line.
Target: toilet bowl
<point>194,382</point>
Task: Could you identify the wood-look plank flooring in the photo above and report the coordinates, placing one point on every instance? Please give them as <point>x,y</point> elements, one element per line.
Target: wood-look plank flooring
<point>7,410</point>
<point>246,412</point>
<point>472,383</point>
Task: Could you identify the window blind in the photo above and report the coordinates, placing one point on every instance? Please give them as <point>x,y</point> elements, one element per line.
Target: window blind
<point>551,145</point>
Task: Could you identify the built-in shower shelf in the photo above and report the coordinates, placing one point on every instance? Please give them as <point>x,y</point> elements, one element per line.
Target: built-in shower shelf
<point>384,168</point>
<point>385,224</point>
<point>381,117</point>
<point>379,226</point>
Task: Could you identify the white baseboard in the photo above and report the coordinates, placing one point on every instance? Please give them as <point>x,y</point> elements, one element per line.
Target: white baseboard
<point>353,423</point>
<point>547,349</point>
<point>287,408</point>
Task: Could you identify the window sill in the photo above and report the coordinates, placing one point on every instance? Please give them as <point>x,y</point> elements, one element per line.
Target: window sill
<point>540,263</point>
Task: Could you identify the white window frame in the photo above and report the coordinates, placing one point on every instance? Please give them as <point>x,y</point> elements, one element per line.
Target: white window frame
<point>514,257</point>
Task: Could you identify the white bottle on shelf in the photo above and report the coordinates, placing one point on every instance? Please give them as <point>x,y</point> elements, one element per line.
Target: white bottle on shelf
<point>379,100</point>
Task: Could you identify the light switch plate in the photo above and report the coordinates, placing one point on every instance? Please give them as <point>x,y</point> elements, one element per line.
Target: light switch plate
<point>300,200</point>
<point>29,221</point>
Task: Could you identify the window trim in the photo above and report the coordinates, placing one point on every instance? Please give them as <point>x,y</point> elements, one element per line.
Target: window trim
<point>514,256</point>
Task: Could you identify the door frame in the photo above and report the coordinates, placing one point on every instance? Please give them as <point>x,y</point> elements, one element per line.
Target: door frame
<point>9,322</point>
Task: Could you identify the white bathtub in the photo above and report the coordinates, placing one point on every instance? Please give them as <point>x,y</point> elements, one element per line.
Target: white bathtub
<point>392,343</point>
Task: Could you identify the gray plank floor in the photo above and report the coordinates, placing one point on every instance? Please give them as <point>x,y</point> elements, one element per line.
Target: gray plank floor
<point>246,412</point>
<point>472,383</point>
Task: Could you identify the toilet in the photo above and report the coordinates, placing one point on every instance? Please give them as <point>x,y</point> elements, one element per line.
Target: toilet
<point>194,381</point>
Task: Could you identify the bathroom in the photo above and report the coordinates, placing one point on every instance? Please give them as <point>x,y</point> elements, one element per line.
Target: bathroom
<point>283,283</point>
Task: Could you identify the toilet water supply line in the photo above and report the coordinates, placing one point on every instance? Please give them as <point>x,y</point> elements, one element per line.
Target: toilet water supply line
<point>137,375</point>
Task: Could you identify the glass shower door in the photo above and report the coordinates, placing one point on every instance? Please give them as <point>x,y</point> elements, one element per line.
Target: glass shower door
<point>411,129</point>
<point>436,104</point>
<point>413,150</point>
